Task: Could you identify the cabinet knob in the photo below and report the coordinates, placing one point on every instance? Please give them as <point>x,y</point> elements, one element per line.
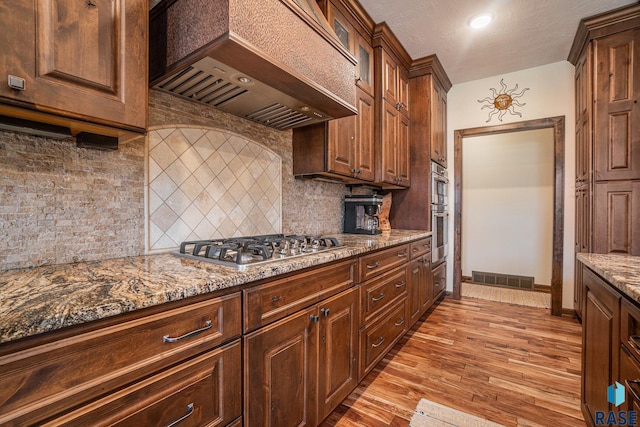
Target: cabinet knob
<point>17,83</point>
<point>314,318</point>
<point>325,312</point>
<point>275,298</point>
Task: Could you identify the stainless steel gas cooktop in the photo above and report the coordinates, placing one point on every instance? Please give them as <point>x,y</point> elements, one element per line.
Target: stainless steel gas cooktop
<point>241,252</point>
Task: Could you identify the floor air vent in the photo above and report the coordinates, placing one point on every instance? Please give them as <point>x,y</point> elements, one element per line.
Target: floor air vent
<point>499,279</point>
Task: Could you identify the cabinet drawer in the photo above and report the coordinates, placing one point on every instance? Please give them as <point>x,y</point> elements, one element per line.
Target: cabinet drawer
<point>420,247</point>
<point>630,378</point>
<point>377,338</point>
<point>41,381</point>
<point>439,279</point>
<point>379,262</point>
<point>206,390</point>
<point>274,300</point>
<point>630,327</point>
<point>380,292</point>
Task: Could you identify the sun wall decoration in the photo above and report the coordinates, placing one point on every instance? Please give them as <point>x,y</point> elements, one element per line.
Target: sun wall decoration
<point>503,101</point>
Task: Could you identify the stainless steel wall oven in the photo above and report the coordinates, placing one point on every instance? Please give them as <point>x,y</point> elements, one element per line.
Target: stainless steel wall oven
<point>439,213</point>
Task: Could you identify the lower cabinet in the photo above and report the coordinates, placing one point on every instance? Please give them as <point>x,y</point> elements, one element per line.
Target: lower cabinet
<point>288,361</point>
<point>205,390</point>
<point>439,273</point>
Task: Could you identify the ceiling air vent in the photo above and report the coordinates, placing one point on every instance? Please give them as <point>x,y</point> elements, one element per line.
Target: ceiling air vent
<point>213,83</point>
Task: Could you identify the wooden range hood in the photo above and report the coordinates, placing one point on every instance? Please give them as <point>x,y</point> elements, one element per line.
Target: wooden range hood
<point>277,62</point>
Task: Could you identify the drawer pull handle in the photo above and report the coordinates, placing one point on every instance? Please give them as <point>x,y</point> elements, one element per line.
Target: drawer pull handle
<point>415,249</point>
<point>376,265</point>
<point>275,298</point>
<point>400,322</point>
<point>633,385</point>
<point>402,255</point>
<point>634,340</point>
<point>379,343</point>
<point>401,284</point>
<point>182,418</point>
<point>206,326</point>
<point>378,298</point>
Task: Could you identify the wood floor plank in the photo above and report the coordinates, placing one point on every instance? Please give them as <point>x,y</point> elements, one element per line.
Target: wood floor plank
<point>514,365</point>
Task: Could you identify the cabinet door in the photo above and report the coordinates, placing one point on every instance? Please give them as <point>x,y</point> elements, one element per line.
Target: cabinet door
<point>389,78</point>
<point>617,217</point>
<point>280,372</point>
<point>403,147</point>
<point>364,69</point>
<point>365,127</point>
<point>617,113</point>
<point>439,125</point>
<point>403,93</point>
<point>343,29</point>
<point>600,323</point>
<point>583,119</point>
<point>338,357</point>
<point>340,150</point>
<point>389,135</point>
<point>415,279</point>
<point>583,219</point>
<point>426,290</point>
<point>86,61</point>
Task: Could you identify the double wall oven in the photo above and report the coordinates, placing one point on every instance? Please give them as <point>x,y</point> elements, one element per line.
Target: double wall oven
<point>439,213</point>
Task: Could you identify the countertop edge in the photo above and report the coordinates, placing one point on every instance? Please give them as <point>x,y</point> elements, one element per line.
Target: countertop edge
<point>621,271</point>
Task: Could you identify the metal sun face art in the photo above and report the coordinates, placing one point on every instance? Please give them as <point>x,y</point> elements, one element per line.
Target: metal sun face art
<point>503,101</point>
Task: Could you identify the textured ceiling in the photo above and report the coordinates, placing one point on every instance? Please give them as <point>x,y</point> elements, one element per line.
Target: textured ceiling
<point>524,33</point>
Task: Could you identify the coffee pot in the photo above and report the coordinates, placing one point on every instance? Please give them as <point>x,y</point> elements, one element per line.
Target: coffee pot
<point>360,214</point>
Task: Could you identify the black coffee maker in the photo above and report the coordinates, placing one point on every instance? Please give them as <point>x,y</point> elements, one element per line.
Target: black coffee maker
<point>360,214</point>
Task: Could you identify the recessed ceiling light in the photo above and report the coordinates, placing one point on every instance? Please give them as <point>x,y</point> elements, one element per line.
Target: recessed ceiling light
<point>480,21</point>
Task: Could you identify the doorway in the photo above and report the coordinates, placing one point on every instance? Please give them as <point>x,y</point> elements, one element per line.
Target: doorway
<point>555,123</point>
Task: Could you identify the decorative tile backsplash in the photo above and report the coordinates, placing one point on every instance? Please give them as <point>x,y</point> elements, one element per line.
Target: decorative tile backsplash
<point>205,183</point>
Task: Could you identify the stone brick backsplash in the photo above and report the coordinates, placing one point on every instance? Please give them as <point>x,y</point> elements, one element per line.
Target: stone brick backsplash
<point>61,204</point>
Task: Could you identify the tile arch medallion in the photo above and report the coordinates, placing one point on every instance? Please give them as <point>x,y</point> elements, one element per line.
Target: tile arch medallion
<point>208,183</point>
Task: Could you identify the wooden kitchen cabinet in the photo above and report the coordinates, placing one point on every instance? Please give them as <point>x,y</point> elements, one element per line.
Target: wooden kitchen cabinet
<point>343,149</point>
<point>605,51</point>
<point>287,362</point>
<point>616,215</point>
<point>616,111</point>
<point>630,354</point>
<point>439,273</point>
<point>420,279</point>
<point>45,379</point>
<point>393,134</point>
<point>428,84</point>
<point>205,390</point>
<point>439,123</point>
<point>83,66</point>
<point>600,343</point>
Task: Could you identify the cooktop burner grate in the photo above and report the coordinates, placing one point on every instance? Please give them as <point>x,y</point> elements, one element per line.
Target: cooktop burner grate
<point>239,252</point>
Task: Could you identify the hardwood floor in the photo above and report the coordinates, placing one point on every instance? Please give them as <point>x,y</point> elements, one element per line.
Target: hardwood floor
<point>514,365</point>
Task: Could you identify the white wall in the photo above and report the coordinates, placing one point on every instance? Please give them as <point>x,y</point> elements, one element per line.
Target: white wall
<point>550,94</point>
<point>507,194</point>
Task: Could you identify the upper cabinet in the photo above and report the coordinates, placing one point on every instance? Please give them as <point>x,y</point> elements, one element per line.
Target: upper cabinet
<point>343,149</point>
<point>605,52</point>
<point>428,84</point>
<point>392,99</point>
<point>81,64</point>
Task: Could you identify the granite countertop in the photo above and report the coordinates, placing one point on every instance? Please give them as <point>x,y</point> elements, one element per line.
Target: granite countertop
<point>41,299</point>
<point>622,271</point>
